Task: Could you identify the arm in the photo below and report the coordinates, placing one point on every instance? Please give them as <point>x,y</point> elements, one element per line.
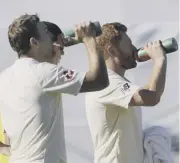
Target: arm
<point>96,78</point>
<point>68,81</point>
<point>125,94</point>
<point>150,94</point>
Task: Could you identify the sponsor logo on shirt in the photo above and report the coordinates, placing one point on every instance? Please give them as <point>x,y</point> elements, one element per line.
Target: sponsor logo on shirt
<point>69,74</point>
<point>125,88</point>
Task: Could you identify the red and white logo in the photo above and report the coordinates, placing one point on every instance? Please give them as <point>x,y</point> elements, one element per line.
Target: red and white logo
<point>69,74</point>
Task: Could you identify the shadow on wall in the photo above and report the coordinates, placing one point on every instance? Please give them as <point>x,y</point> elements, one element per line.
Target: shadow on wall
<point>175,143</point>
<point>147,35</point>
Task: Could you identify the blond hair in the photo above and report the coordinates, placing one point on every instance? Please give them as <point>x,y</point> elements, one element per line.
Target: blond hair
<point>111,32</point>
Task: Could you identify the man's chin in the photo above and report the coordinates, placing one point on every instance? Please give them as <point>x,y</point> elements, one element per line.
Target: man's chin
<point>134,65</point>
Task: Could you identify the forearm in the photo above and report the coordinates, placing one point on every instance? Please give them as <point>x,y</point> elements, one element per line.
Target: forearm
<point>158,77</point>
<point>96,62</point>
<point>96,78</point>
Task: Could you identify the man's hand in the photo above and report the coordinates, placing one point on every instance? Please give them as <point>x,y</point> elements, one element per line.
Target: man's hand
<point>151,93</point>
<point>84,31</point>
<point>155,51</point>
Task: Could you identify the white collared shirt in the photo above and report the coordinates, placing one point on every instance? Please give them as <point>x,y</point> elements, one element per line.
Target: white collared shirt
<point>31,107</point>
<point>115,127</point>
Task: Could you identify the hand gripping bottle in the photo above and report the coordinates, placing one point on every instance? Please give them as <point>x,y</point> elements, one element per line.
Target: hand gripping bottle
<point>170,45</point>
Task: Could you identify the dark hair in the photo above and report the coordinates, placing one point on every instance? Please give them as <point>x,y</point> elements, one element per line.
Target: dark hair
<point>54,29</point>
<point>20,32</point>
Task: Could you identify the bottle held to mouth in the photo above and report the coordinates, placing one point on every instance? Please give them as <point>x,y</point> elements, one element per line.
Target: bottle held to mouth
<point>69,34</point>
<point>170,45</point>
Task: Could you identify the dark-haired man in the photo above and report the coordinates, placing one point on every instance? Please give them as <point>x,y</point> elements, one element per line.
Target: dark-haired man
<point>31,88</point>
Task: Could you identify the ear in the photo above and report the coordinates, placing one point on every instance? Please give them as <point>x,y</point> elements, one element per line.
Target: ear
<point>110,50</point>
<point>33,41</point>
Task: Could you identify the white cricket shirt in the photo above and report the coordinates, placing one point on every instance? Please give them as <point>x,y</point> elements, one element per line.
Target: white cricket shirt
<point>31,107</point>
<point>115,127</point>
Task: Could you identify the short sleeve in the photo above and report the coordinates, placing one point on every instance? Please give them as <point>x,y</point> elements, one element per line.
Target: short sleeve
<point>118,94</point>
<point>54,78</point>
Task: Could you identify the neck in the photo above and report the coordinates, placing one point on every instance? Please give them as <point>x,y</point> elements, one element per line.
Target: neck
<point>115,67</point>
<point>28,56</point>
<point>36,56</point>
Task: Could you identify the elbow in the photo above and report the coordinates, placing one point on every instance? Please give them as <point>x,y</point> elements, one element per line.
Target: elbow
<point>102,83</point>
<point>102,77</point>
<point>157,100</point>
<point>94,82</point>
<point>101,80</point>
<point>149,98</point>
<point>105,83</point>
<point>154,100</point>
